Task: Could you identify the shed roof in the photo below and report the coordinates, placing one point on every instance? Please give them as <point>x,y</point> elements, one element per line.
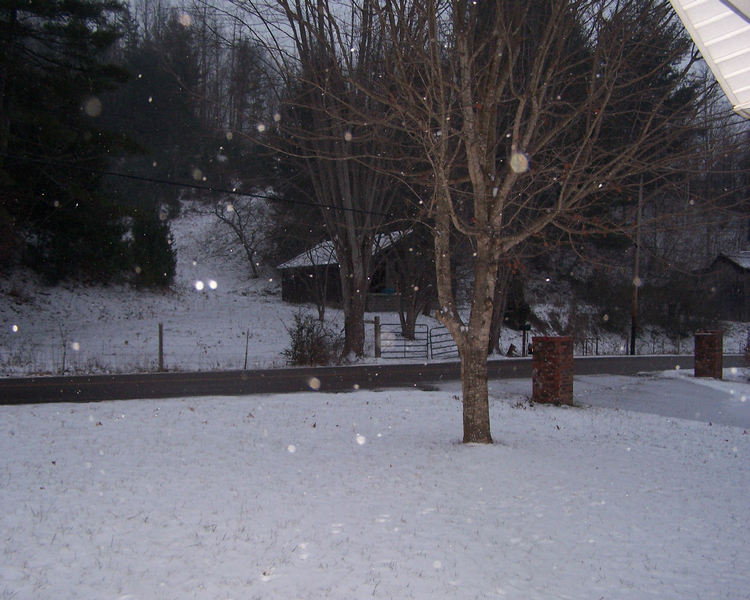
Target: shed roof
<point>741,259</point>
<point>325,252</point>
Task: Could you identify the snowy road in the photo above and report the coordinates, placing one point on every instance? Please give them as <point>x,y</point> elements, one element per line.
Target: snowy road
<point>683,397</point>
<point>675,394</point>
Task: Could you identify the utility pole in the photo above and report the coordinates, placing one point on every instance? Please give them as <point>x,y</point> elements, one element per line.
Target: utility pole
<point>636,270</point>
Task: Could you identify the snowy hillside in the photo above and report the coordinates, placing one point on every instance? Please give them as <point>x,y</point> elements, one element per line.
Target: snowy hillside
<point>115,328</point>
<point>212,314</point>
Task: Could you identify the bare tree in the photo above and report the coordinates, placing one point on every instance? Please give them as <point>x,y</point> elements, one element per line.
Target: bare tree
<point>534,117</point>
<point>516,106</point>
<point>414,267</point>
<point>327,53</point>
<point>249,219</point>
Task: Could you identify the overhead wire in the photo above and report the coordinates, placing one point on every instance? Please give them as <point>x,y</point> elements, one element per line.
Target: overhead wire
<point>190,185</point>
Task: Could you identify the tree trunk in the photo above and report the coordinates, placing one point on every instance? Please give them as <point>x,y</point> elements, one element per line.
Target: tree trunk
<point>7,45</point>
<point>251,258</point>
<point>476,409</point>
<point>354,289</point>
<point>472,339</point>
<point>409,310</point>
<point>499,304</point>
<point>354,324</point>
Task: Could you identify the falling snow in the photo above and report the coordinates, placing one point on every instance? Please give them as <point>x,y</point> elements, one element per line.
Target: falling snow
<point>519,162</point>
<point>93,107</point>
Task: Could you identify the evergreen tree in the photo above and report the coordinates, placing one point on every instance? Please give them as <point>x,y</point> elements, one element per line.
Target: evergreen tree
<point>155,111</point>
<point>153,253</point>
<point>52,150</point>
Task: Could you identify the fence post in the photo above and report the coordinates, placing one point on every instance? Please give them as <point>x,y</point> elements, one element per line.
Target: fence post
<point>526,327</point>
<point>377,337</point>
<point>161,347</point>
<point>247,341</point>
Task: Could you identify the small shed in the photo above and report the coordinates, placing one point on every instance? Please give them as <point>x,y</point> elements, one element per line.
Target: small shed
<point>728,278</point>
<point>315,272</point>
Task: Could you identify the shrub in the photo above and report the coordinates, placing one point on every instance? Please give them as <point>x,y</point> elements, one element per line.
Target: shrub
<point>312,342</point>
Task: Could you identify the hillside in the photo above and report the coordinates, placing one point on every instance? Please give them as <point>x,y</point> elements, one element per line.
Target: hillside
<point>115,328</point>
<point>106,329</point>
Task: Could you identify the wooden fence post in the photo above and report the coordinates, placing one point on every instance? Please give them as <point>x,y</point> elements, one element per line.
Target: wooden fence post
<point>161,347</point>
<point>247,341</point>
<point>377,337</point>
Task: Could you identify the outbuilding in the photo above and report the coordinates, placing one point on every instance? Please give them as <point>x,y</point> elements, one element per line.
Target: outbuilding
<point>728,279</point>
<point>314,274</point>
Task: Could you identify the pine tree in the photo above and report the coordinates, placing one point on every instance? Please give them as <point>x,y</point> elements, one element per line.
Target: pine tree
<point>52,151</point>
<point>153,253</point>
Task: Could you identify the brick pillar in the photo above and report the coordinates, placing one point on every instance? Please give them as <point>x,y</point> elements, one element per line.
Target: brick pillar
<point>552,370</point>
<point>709,353</point>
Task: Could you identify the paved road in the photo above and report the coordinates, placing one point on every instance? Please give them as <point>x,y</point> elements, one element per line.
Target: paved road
<point>668,397</point>
<point>96,388</point>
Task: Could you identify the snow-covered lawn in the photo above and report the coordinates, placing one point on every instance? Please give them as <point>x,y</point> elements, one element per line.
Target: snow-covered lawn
<point>371,495</point>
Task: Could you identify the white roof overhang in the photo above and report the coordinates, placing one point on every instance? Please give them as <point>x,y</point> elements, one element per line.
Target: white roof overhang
<point>721,30</point>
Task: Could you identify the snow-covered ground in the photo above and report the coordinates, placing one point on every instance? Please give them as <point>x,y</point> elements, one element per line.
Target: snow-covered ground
<point>371,495</point>
<point>115,328</point>
<point>642,493</point>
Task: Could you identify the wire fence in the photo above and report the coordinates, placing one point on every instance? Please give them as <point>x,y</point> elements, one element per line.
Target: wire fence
<point>140,349</point>
<point>233,345</point>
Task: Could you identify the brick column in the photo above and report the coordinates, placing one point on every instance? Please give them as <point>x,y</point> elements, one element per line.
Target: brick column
<point>552,370</point>
<point>709,353</point>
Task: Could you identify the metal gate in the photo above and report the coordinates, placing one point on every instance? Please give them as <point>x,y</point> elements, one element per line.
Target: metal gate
<point>395,345</point>
<point>442,344</point>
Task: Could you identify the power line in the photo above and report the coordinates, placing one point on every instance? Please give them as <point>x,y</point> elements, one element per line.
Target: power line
<point>189,185</point>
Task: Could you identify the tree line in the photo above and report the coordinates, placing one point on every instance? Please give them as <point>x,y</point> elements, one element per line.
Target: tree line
<point>106,111</point>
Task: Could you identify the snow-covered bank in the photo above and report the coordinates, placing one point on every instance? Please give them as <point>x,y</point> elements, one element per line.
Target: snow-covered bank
<point>369,495</point>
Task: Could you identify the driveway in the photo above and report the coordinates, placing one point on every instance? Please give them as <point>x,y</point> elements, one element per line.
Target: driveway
<point>681,396</point>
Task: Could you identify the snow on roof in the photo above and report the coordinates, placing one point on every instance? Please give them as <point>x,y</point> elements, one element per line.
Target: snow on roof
<point>741,259</point>
<point>325,252</point>
<point>322,254</point>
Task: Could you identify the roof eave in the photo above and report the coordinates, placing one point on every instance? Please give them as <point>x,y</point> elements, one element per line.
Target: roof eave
<point>721,31</point>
